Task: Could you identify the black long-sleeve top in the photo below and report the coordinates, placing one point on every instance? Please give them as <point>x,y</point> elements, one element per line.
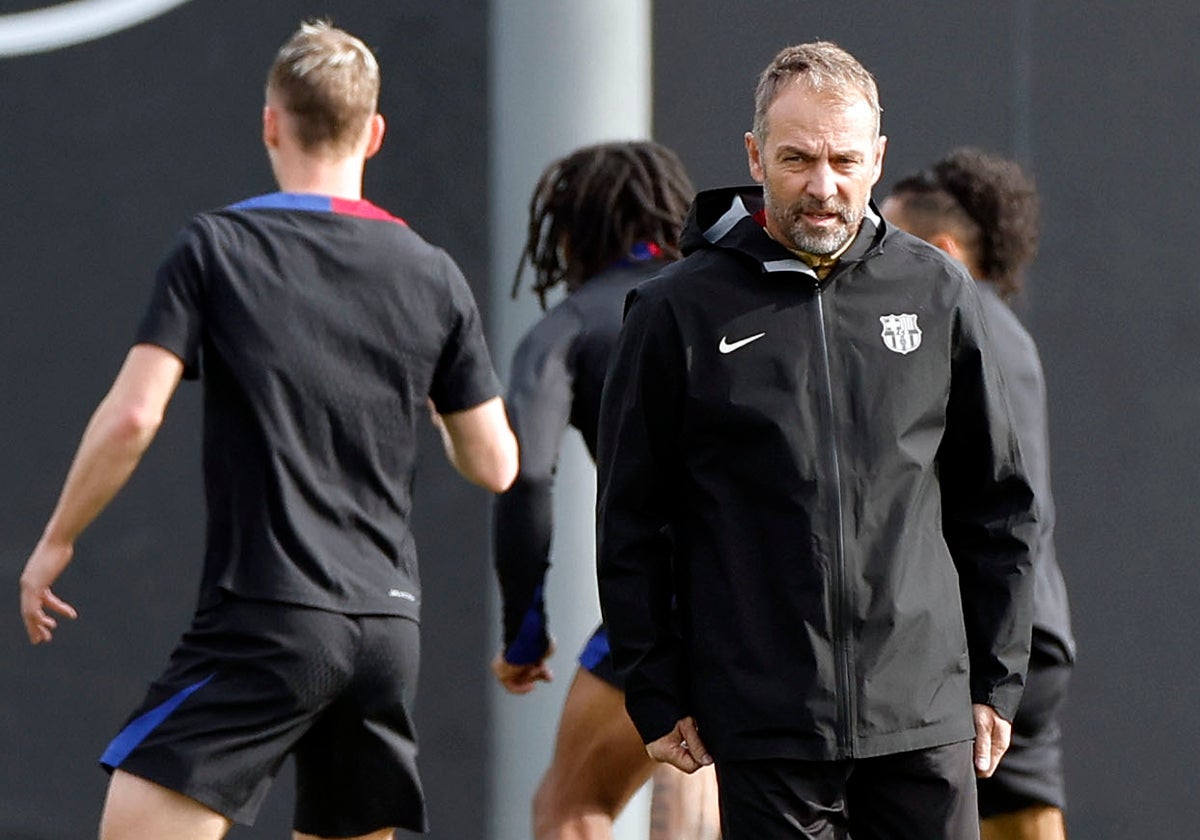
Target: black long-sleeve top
<point>557,375</point>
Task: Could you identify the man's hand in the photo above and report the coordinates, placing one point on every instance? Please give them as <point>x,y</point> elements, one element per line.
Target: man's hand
<point>522,679</point>
<point>114,441</point>
<point>44,566</point>
<point>992,736</point>
<point>681,747</point>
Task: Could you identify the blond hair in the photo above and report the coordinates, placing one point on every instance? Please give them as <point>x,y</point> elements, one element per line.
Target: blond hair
<point>329,81</point>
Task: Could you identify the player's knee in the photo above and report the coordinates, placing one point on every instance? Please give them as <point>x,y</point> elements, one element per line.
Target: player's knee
<point>552,801</point>
<point>563,809</point>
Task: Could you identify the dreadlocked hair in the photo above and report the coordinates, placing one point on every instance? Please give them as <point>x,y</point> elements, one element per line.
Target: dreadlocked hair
<point>994,203</point>
<point>591,207</point>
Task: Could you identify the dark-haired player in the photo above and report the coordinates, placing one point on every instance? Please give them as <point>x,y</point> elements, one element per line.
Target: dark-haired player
<point>321,326</point>
<point>601,220</point>
<point>983,210</point>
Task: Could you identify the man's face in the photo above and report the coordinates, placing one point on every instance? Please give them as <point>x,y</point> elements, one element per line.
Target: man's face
<point>817,164</point>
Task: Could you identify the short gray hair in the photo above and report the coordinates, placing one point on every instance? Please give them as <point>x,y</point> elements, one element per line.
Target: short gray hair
<point>825,68</point>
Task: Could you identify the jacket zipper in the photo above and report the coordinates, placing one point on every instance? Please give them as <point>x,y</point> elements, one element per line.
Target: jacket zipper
<point>841,606</point>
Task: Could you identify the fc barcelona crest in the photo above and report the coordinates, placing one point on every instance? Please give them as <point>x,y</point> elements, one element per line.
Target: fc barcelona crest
<point>901,333</point>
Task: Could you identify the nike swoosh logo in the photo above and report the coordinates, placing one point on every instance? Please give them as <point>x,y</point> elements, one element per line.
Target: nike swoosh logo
<point>727,346</point>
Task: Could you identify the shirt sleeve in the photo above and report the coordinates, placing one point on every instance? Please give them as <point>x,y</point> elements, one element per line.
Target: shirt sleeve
<point>539,400</point>
<point>463,377</point>
<point>639,470</point>
<point>174,318</point>
<point>989,518</point>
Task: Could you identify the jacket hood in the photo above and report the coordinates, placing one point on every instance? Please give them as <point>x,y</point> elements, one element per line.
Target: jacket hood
<point>733,217</point>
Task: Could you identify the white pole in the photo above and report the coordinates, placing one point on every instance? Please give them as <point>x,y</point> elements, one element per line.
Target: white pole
<point>562,75</point>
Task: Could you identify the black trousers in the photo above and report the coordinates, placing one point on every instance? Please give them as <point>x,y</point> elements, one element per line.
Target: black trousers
<point>921,795</point>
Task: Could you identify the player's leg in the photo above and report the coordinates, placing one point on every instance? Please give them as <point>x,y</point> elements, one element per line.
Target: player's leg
<point>598,765</point>
<point>684,806</point>
<point>1037,822</point>
<point>383,834</point>
<point>356,767</point>
<point>1024,798</point>
<point>243,685</point>
<point>137,809</point>
<point>213,731</point>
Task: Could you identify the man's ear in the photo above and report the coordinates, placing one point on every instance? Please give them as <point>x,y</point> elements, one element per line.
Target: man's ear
<point>947,243</point>
<point>270,122</point>
<point>880,148</point>
<point>375,131</point>
<point>754,157</point>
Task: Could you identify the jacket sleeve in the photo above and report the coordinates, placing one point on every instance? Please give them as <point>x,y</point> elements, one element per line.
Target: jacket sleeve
<point>539,408</point>
<point>1021,367</point>
<point>988,515</point>
<point>638,477</point>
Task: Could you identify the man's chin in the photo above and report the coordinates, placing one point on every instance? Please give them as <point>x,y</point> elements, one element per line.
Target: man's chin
<point>822,245</point>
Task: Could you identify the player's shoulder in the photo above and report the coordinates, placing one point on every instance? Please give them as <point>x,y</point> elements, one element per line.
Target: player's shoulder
<point>1004,324</point>
<point>556,330</point>
<point>900,249</point>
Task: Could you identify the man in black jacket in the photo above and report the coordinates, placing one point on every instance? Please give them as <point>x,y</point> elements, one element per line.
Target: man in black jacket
<point>805,448</point>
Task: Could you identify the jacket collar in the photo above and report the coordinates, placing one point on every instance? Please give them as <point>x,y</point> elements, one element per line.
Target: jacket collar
<point>732,218</point>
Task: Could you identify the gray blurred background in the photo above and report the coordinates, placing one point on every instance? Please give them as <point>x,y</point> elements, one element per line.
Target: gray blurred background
<point>108,146</point>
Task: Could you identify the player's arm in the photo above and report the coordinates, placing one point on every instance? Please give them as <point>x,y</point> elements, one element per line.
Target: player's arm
<point>540,396</point>
<point>117,435</point>
<point>480,444</point>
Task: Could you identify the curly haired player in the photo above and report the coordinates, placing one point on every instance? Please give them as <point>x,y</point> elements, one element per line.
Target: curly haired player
<point>983,210</point>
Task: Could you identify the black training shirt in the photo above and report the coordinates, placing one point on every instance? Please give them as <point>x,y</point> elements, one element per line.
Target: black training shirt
<point>320,327</point>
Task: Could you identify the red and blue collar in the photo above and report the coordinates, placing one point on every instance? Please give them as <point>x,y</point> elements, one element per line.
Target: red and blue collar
<point>640,252</point>
<point>315,203</point>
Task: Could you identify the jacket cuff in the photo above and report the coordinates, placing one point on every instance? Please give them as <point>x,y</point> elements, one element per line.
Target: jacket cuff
<point>653,715</point>
<point>1003,698</point>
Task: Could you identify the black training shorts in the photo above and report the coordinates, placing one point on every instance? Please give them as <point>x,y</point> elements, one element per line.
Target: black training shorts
<point>252,682</point>
<point>1031,772</point>
<point>597,658</point>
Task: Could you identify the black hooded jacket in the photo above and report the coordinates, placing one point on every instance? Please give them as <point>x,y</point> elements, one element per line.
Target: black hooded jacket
<point>834,462</point>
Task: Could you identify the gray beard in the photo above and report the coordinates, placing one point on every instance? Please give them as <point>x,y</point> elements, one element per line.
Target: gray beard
<point>818,243</point>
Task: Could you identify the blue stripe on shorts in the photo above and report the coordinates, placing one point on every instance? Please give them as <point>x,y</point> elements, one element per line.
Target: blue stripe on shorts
<point>136,731</point>
<point>595,651</point>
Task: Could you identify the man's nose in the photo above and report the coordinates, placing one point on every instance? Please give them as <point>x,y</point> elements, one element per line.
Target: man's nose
<point>822,183</point>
